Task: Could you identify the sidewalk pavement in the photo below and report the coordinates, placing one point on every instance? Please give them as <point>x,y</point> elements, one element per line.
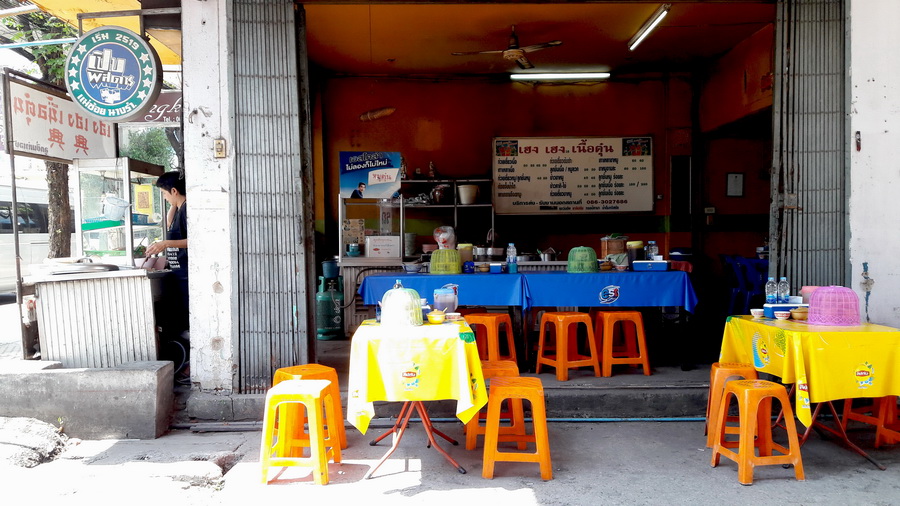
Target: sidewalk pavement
<point>593,463</point>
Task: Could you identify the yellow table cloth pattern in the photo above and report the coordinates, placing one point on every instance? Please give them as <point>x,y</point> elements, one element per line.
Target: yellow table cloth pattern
<point>825,362</point>
<point>430,362</point>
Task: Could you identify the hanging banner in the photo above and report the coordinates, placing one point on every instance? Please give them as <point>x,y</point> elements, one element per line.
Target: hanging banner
<point>50,126</point>
<point>113,73</point>
<point>369,174</point>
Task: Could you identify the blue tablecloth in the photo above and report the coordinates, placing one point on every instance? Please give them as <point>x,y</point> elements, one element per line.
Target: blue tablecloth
<point>482,289</point>
<point>617,289</point>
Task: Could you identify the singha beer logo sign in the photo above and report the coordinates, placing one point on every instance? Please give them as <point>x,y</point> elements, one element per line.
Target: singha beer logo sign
<point>113,73</point>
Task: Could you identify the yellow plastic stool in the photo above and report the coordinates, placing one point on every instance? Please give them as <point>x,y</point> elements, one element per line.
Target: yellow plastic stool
<point>719,374</point>
<point>635,342</point>
<point>516,413</point>
<point>333,394</point>
<point>491,323</point>
<point>567,355</point>
<point>754,398</point>
<point>276,451</point>
<point>529,389</point>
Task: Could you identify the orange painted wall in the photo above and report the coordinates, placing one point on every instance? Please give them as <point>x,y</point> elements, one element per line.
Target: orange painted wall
<point>452,122</point>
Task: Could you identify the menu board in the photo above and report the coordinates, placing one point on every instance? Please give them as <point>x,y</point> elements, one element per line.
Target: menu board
<point>536,175</point>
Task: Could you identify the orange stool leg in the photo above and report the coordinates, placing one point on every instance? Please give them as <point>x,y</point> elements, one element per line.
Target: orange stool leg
<point>529,389</point>
<point>719,374</point>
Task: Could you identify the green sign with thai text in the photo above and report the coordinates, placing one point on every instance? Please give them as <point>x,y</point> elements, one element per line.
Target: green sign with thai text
<point>113,73</point>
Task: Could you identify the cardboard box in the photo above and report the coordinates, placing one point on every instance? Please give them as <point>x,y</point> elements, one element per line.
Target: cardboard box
<point>383,246</point>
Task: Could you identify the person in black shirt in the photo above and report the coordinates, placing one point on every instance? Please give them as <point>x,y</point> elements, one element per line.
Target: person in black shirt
<point>358,192</point>
<point>174,316</point>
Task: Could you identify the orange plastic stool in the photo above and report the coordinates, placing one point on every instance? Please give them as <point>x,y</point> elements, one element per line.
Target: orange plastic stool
<point>754,398</point>
<point>491,322</point>
<point>516,414</point>
<point>567,355</point>
<point>529,389</point>
<point>277,451</point>
<point>882,413</point>
<point>333,394</point>
<point>636,343</point>
<point>719,374</point>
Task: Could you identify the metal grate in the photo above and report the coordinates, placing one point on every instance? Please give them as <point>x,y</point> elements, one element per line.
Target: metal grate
<point>808,229</point>
<point>271,307</point>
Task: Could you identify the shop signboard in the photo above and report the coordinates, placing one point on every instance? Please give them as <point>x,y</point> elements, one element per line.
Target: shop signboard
<point>113,73</point>
<point>46,124</point>
<point>536,175</point>
<point>370,174</point>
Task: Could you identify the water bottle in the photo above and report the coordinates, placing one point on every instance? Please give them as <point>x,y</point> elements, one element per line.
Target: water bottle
<point>771,291</point>
<point>784,291</point>
<point>652,250</point>
<point>511,266</point>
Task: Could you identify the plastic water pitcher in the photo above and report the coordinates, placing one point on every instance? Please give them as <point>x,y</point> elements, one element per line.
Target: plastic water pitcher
<point>445,298</point>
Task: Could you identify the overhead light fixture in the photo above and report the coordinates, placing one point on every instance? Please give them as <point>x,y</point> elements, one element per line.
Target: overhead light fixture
<point>582,76</point>
<point>648,26</point>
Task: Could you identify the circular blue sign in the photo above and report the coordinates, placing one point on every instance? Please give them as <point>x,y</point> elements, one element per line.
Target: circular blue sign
<point>113,73</point>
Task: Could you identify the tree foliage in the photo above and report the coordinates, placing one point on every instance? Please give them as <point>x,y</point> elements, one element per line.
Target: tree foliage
<point>51,61</point>
<point>150,145</point>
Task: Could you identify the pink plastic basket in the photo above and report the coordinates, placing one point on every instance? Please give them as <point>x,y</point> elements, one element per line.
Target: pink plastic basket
<point>833,305</point>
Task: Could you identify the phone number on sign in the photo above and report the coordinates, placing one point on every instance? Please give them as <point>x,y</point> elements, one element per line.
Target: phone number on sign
<point>607,201</point>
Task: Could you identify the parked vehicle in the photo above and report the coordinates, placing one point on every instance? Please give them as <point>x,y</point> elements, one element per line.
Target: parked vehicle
<point>34,239</point>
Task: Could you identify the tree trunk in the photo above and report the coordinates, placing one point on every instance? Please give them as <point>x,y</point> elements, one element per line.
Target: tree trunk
<point>59,210</point>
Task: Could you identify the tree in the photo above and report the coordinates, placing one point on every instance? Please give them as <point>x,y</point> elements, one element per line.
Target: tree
<point>51,61</point>
<point>150,145</point>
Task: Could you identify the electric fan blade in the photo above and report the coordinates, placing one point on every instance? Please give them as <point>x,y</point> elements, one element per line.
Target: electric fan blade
<point>538,47</point>
<point>469,53</point>
<point>523,63</point>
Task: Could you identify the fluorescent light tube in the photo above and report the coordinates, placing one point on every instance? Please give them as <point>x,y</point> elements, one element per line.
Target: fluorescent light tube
<point>649,25</point>
<point>560,76</point>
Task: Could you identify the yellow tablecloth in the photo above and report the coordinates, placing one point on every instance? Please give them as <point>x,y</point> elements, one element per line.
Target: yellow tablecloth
<point>825,362</point>
<point>431,362</point>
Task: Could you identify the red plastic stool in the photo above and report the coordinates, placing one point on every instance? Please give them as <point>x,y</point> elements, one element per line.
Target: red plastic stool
<point>529,389</point>
<point>515,414</point>
<point>636,343</point>
<point>332,395</point>
<point>491,322</point>
<point>564,324</point>
<point>754,398</point>
<point>719,374</point>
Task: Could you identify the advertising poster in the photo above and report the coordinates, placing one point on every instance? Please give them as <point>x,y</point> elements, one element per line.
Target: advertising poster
<point>369,174</point>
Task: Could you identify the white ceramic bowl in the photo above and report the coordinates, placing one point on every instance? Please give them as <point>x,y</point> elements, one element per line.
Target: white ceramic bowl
<point>453,317</point>
<point>782,315</point>
<point>412,268</point>
<point>758,312</point>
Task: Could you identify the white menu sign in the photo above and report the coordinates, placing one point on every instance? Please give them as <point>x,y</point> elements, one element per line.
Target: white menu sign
<point>536,175</point>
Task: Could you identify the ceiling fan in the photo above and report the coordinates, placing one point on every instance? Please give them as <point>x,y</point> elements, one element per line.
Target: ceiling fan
<point>514,52</point>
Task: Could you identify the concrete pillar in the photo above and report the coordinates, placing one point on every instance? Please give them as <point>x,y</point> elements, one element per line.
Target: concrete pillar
<point>874,84</point>
<point>207,68</point>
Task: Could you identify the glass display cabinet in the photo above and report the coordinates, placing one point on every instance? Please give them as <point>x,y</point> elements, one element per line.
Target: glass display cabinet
<point>119,210</point>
